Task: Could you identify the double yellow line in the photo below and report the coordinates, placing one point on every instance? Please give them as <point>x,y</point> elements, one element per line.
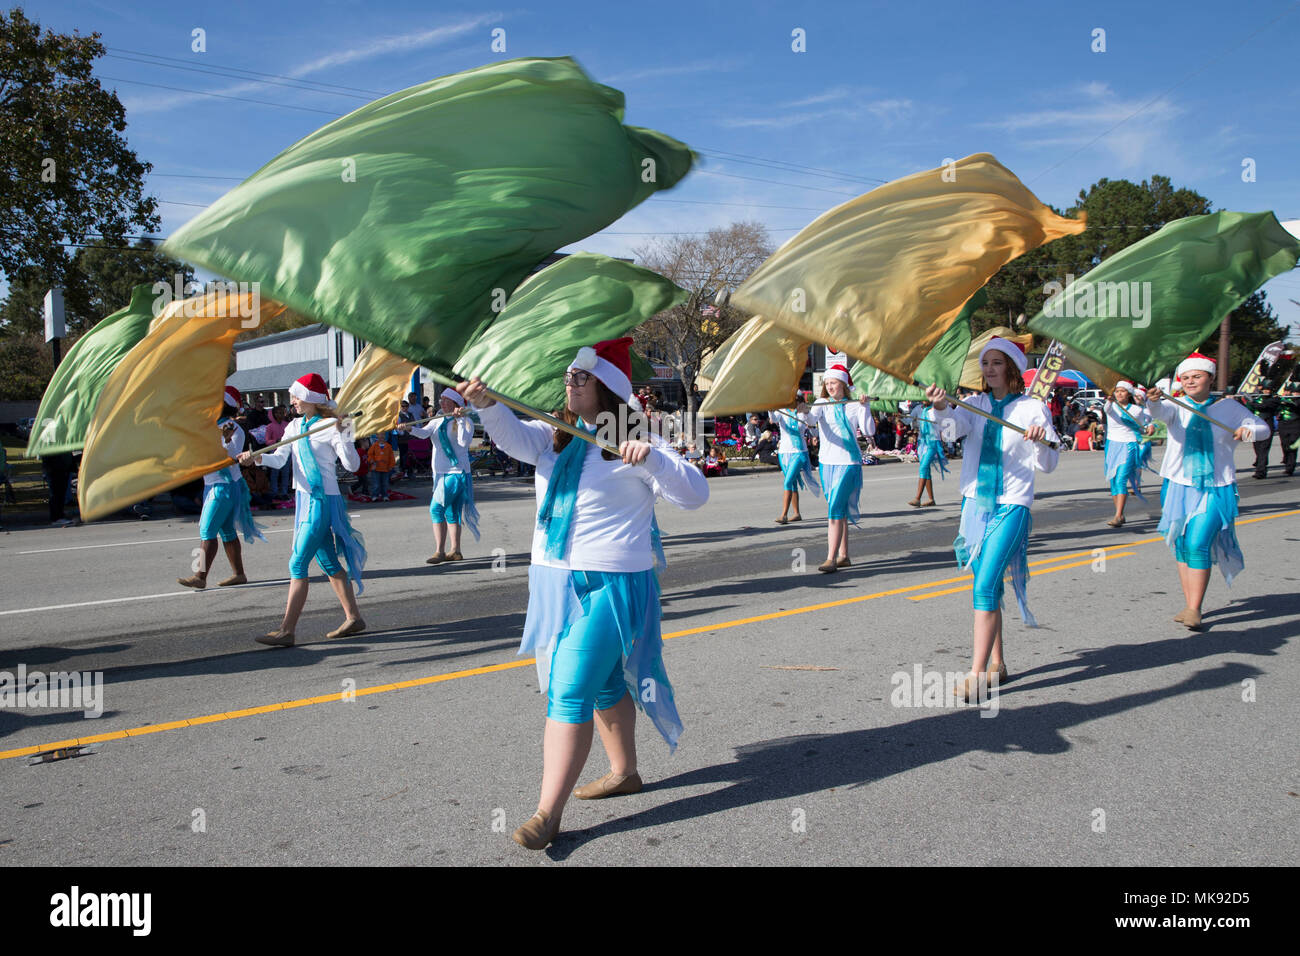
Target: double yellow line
<point>511,665</point>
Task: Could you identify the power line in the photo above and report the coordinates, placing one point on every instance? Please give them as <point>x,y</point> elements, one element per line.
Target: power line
<point>222,96</point>
<point>234,76</point>
<point>251,73</point>
<point>772,182</point>
<point>788,167</point>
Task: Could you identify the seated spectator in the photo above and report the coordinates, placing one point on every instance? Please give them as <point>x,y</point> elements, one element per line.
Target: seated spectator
<point>766,448</point>
<point>712,463</point>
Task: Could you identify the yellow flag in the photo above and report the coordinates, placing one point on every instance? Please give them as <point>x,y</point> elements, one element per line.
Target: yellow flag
<point>373,390</point>
<point>759,367</point>
<point>971,376</point>
<point>883,276</point>
<point>155,427</point>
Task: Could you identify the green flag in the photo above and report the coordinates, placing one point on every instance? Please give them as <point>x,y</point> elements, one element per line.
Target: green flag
<point>408,221</point>
<point>580,300</point>
<point>942,366</point>
<point>70,398</point>
<point>1142,310</point>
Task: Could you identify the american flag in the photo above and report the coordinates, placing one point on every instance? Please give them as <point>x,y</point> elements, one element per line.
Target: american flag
<point>709,310</point>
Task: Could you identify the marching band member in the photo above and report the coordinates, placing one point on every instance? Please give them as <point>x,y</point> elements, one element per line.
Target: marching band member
<point>796,464</point>
<point>593,606</point>
<point>997,486</point>
<point>1199,500</point>
<point>320,528</point>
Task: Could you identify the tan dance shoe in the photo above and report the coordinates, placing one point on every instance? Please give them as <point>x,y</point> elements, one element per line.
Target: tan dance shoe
<point>538,832</point>
<point>1178,618</point>
<point>195,582</point>
<point>827,567</point>
<point>349,627</point>
<point>915,503</point>
<point>455,556</point>
<point>998,676</point>
<point>277,639</point>
<point>233,580</point>
<point>1192,619</point>
<point>610,785</point>
<point>783,520</point>
<point>844,563</point>
<point>436,559</point>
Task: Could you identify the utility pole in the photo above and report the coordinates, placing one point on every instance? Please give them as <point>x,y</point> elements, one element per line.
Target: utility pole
<point>1225,330</point>
<point>55,324</point>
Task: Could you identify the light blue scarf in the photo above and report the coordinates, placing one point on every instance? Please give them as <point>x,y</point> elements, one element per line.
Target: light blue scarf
<point>793,428</point>
<point>988,485</point>
<point>1198,452</point>
<point>307,459</point>
<point>555,516</point>
<point>842,432</point>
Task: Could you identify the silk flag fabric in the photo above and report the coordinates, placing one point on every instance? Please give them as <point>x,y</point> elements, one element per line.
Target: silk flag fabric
<point>581,300</point>
<point>883,276</point>
<point>374,389</point>
<point>70,398</point>
<point>155,427</point>
<point>942,367</point>
<point>758,368</point>
<point>971,376</point>
<point>1142,310</point>
<point>408,220</point>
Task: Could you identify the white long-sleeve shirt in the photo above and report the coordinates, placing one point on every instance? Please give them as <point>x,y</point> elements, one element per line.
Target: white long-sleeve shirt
<point>829,449</point>
<point>1226,410</point>
<point>1020,458</point>
<point>788,426</point>
<point>611,518</point>
<point>233,448</point>
<point>1116,430</point>
<point>461,433</point>
<point>328,445</point>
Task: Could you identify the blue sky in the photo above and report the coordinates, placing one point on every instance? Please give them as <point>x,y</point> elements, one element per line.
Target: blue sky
<point>1184,89</point>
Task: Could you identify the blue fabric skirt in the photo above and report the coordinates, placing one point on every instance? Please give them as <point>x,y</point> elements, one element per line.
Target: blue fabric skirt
<point>629,601</point>
<point>1124,462</point>
<point>453,497</point>
<point>979,527</point>
<point>348,542</point>
<point>842,484</point>
<point>796,467</point>
<point>1183,503</point>
<point>931,455</point>
<point>228,513</point>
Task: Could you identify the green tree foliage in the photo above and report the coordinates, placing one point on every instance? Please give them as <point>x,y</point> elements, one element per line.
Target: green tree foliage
<point>1254,325</point>
<point>66,172</point>
<point>1119,212</point>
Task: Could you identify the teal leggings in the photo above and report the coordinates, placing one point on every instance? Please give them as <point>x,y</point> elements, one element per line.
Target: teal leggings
<point>587,666</point>
<point>1193,548</point>
<point>1007,533</point>
<point>313,537</point>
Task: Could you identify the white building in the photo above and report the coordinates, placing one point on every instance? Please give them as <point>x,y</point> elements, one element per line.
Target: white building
<point>267,366</point>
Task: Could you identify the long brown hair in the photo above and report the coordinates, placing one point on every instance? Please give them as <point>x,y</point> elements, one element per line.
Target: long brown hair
<point>608,401</point>
<point>1015,380</point>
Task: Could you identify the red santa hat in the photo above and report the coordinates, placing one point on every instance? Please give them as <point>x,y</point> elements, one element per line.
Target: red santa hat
<point>1196,362</point>
<point>1012,350</point>
<point>838,373</point>
<point>611,362</point>
<point>232,397</point>
<point>311,388</point>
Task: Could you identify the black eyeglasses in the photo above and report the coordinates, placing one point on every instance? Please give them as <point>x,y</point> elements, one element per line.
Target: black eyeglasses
<point>577,379</point>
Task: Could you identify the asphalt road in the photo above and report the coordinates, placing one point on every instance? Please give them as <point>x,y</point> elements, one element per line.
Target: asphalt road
<point>1122,738</point>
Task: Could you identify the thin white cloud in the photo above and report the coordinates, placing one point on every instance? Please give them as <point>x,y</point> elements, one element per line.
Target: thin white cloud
<point>661,72</point>
<point>884,112</point>
<point>393,45</point>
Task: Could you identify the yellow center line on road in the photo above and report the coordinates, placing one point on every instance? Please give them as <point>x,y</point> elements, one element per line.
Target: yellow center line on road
<point>1060,567</point>
<point>511,665</point>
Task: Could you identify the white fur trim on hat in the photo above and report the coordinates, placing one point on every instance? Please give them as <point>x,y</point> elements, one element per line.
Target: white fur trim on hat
<point>1008,349</point>
<point>452,395</point>
<point>588,361</point>
<point>303,394</point>
<point>1196,363</point>
<point>837,373</point>
<point>229,399</point>
<point>1139,391</point>
<point>1164,385</point>
<point>1127,386</point>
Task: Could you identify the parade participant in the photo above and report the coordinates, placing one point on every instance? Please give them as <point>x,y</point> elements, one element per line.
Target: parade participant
<point>227,505</point>
<point>792,453</point>
<point>929,452</point>
<point>320,527</point>
<point>453,482</point>
<point>593,605</point>
<point>1126,423</point>
<point>1288,424</point>
<point>840,461</point>
<point>997,486</point>
<point>1199,506</point>
<point>1264,406</point>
